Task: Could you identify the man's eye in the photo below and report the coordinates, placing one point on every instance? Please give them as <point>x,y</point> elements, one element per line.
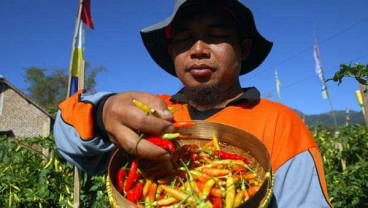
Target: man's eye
<point>218,36</point>
<point>179,40</point>
<point>182,39</point>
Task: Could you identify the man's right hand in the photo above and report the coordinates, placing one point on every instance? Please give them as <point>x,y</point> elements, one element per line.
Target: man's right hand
<point>124,121</point>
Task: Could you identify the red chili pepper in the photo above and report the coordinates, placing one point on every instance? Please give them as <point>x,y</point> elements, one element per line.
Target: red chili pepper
<point>133,175</point>
<point>216,192</point>
<point>183,124</point>
<point>239,170</point>
<point>135,193</point>
<point>120,180</point>
<point>163,143</point>
<point>232,156</point>
<point>217,202</point>
<point>247,161</point>
<point>130,196</point>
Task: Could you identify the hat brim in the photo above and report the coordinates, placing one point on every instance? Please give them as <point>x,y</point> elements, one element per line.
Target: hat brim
<point>156,43</point>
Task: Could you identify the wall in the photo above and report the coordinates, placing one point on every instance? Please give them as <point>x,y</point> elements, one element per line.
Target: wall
<point>21,116</point>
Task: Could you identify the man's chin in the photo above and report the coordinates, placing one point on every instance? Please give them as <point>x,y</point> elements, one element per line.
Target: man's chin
<point>204,94</point>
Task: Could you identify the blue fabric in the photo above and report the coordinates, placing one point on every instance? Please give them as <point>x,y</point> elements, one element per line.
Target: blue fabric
<point>73,85</point>
<point>89,156</point>
<point>297,184</point>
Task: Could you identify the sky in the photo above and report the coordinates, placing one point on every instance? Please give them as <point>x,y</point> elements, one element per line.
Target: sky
<point>39,33</point>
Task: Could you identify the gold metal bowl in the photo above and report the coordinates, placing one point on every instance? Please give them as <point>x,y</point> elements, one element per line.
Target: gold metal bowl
<point>231,139</point>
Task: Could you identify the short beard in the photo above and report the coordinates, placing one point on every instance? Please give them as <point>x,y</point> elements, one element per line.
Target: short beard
<point>205,97</point>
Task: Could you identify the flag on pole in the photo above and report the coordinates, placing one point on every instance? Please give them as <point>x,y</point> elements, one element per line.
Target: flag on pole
<point>347,117</point>
<point>76,70</point>
<point>278,85</point>
<point>86,14</point>
<point>77,64</point>
<point>319,70</point>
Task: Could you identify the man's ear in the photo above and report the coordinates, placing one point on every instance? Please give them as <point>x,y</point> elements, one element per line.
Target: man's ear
<point>245,47</point>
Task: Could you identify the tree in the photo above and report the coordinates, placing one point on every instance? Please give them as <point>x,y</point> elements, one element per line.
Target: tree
<point>49,87</point>
<point>360,73</point>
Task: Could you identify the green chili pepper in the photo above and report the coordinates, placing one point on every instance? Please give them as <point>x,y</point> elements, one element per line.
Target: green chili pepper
<point>170,135</point>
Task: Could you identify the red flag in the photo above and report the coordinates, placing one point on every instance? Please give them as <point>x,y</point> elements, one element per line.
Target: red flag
<point>86,14</point>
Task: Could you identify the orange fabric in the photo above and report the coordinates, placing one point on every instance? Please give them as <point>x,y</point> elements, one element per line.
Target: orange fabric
<point>78,114</point>
<point>281,130</point>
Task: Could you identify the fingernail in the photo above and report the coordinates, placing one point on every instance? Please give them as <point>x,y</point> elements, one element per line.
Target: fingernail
<point>169,129</point>
<point>166,156</point>
<point>168,114</point>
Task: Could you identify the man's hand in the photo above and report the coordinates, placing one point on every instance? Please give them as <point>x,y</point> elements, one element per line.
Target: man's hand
<point>124,122</point>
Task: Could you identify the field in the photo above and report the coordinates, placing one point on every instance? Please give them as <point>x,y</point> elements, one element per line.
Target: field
<point>34,177</point>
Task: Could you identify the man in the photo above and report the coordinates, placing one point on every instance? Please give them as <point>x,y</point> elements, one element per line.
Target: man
<point>207,44</point>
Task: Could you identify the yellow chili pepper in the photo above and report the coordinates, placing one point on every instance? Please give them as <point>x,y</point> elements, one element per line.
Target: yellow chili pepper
<point>215,142</point>
<point>167,201</point>
<point>230,192</point>
<point>178,194</point>
<point>146,186</point>
<point>239,198</point>
<point>207,188</point>
<point>147,109</point>
<point>208,144</point>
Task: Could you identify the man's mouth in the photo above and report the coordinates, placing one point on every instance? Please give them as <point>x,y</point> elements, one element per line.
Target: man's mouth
<point>200,70</point>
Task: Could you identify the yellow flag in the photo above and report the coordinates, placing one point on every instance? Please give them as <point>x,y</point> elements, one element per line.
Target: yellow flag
<point>77,61</point>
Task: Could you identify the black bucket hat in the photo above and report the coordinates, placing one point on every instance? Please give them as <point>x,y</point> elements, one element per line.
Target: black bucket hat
<point>156,42</point>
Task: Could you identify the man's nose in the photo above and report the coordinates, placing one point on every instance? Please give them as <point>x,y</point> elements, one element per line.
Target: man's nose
<point>200,49</point>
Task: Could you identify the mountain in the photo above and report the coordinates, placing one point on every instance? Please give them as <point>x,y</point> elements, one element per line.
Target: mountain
<point>326,119</point>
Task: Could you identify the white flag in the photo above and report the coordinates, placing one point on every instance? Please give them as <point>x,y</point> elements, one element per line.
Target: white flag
<point>278,85</point>
<point>319,71</point>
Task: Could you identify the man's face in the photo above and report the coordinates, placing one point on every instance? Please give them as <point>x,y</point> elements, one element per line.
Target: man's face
<point>206,49</point>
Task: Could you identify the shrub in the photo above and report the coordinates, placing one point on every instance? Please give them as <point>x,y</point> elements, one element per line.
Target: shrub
<point>33,175</point>
<point>344,156</point>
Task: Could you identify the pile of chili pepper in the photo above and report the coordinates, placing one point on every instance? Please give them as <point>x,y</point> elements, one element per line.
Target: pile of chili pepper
<point>196,176</point>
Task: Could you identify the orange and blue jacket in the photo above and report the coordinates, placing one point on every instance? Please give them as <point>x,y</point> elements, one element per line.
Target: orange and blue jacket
<point>299,179</point>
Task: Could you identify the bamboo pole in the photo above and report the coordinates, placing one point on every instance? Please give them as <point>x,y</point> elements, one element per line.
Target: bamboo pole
<point>332,112</point>
<point>82,68</point>
<point>339,146</point>
<point>76,191</point>
<point>330,102</point>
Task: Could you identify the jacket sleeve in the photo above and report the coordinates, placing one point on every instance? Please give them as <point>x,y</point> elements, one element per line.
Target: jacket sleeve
<point>76,136</point>
<point>299,172</point>
<point>297,183</point>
